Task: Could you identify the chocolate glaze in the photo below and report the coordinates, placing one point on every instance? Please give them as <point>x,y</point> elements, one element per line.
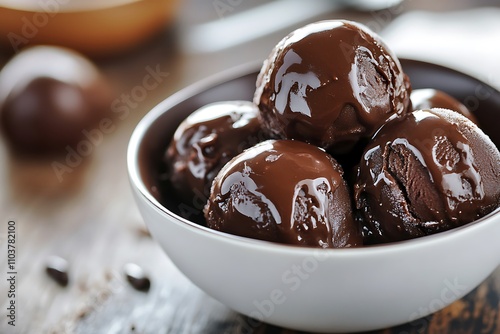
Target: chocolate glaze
<point>204,142</point>
<point>48,96</point>
<point>433,98</point>
<point>284,191</point>
<point>430,172</point>
<point>330,83</point>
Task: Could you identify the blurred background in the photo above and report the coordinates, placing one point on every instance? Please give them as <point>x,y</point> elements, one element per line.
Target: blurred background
<point>194,38</point>
<point>86,214</point>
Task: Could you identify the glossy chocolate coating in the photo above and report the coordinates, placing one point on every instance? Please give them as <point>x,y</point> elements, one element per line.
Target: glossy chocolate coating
<point>284,191</point>
<point>433,98</point>
<point>205,141</point>
<point>48,96</point>
<point>432,171</point>
<point>330,84</point>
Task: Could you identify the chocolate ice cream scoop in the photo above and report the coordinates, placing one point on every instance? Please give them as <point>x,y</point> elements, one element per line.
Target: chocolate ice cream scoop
<point>432,171</point>
<point>330,84</point>
<point>206,141</point>
<point>284,191</point>
<point>433,98</point>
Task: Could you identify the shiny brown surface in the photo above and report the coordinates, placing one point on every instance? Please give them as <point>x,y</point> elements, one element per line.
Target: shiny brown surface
<point>205,142</point>
<point>48,98</point>
<point>432,98</point>
<point>284,191</point>
<point>330,84</point>
<point>430,172</point>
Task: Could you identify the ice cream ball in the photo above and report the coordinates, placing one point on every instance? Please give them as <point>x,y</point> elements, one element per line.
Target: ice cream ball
<point>284,191</point>
<point>433,98</point>
<point>204,142</point>
<point>330,83</point>
<point>430,172</point>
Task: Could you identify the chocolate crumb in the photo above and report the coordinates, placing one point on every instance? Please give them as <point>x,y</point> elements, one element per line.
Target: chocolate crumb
<point>57,269</point>
<point>136,277</point>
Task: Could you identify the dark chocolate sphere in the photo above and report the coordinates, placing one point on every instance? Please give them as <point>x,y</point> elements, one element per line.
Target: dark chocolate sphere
<point>432,171</point>
<point>205,141</point>
<point>330,84</point>
<point>48,97</point>
<point>433,98</point>
<point>284,191</point>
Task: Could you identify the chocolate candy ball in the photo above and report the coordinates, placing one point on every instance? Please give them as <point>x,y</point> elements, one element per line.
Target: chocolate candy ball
<point>205,141</point>
<point>432,171</point>
<point>433,98</point>
<point>284,191</point>
<point>48,97</point>
<point>330,84</point>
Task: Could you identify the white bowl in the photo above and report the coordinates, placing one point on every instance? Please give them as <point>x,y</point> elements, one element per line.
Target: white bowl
<point>334,290</point>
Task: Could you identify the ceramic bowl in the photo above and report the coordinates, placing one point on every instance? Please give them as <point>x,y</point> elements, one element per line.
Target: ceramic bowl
<point>318,290</point>
<point>96,28</point>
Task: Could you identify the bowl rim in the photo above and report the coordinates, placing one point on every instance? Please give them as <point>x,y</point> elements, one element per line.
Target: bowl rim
<point>234,73</point>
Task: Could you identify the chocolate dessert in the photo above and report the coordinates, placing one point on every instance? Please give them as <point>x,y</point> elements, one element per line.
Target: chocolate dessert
<point>205,141</point>
<point>330,83</point>
<point>433,171</point>
<point>284,191</point>
<point>433,98</point>
<point>332,93</point>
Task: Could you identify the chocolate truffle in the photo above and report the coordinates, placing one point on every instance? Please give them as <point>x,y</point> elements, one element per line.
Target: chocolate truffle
<point>206,141</point>
<point>284,191</point>
<point>432,171</point>
<point>433,98</point>
<point>330,84</point>
<point>48,97</point>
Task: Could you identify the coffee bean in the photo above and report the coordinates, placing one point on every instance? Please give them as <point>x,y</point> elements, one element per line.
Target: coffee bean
<point>57,269</point>
<point>136,277</point>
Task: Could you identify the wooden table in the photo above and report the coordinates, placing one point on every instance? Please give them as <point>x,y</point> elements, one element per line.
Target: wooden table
<point>91,220</point>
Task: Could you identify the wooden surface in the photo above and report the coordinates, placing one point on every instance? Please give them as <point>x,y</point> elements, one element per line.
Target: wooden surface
<point>91,220</point>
